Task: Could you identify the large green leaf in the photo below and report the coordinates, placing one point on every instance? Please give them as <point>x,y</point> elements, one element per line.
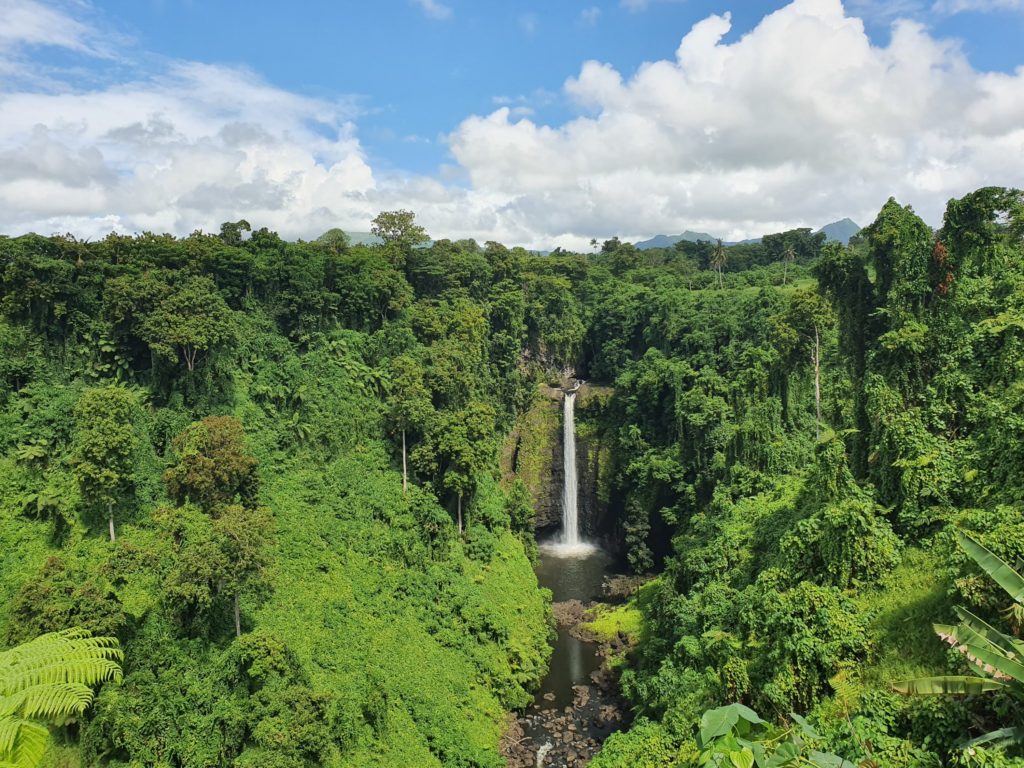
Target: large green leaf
<point>1012,647</point>
<point>993,660</point>
<point>825,760</point>
<point>717,722</point>
<point>958,685</point>
<point>994,566</point>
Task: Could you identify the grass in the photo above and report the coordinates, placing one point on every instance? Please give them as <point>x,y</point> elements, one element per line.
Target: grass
<point>611,621</point>
<point>904,606</point>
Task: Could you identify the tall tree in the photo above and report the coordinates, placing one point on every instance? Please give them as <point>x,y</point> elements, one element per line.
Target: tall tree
<point>105,444</point>
<point>409,405</point>
<point>399,227</point>
<point>788,257</point>
<point>244,537</point>
<point>800,335</point>
<point>191,321</point>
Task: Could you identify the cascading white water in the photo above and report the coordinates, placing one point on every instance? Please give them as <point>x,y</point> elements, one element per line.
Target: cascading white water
<point>570,509</point>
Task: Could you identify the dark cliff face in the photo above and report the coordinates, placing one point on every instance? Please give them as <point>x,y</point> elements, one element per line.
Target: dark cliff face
<point>533,452</point>
<point>594,467</point>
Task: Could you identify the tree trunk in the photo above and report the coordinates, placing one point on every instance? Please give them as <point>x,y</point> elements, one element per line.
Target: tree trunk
<point>460,514</point>
<point>817,384</point>
<point>785,271</point>
<point>110,521</point>
<point>405,470</point>
<point>238,615</point>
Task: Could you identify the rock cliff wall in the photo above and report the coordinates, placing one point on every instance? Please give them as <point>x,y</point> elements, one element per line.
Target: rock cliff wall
<point>533,452</point>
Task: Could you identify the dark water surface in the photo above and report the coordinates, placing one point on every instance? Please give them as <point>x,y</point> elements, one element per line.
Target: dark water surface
<point>576,577</point>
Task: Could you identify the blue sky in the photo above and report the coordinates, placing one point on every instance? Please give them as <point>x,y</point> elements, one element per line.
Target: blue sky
<point>396,103</point>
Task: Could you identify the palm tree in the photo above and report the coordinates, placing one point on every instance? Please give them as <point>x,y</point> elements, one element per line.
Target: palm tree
<point>788,257</point>
<point>998,657</point>
<point>48,681</point>
<point>718,259</point>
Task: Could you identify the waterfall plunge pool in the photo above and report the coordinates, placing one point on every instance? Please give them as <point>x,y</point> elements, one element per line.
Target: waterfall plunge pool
<point>573,712</point>
<point>571,572</point>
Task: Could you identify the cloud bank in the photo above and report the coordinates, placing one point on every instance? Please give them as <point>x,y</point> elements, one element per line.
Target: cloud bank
<point>800,121</point>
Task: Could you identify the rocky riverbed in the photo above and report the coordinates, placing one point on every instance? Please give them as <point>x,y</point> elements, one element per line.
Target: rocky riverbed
<point>556,737</point>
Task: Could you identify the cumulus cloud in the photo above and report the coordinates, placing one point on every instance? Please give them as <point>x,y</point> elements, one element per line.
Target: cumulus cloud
<point>799,122</point>
<point>191,147</point>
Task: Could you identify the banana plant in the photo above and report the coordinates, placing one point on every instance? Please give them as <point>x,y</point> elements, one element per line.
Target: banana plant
<point>998,657</point>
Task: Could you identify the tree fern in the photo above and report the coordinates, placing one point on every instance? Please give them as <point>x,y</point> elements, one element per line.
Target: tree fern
<point>49,680</point>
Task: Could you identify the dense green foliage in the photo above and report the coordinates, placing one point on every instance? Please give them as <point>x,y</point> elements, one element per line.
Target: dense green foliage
<point>791,460</point>
<point>234,409</point>
<point>317,563</point>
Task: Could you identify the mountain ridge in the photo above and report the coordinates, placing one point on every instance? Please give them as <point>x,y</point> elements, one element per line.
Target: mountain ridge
<point>840,231</point>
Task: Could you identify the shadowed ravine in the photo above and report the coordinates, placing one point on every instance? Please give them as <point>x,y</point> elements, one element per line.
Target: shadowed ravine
<point>575,708</point>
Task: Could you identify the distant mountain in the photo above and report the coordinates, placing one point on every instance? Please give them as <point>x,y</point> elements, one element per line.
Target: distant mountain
<point>667,241</point>
<point>841,230</point>
<point>363,238</point>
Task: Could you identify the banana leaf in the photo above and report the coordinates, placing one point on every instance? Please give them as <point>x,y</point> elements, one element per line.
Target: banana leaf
<point>994,566</point>
<point>957,685</point>
<point>1012,647</point>
<point>999,662</point>
<point>982,648</point>
<point>1001,737</point>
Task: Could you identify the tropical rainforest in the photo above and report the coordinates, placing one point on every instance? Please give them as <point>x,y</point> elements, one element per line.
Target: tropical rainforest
<point>250,489</point>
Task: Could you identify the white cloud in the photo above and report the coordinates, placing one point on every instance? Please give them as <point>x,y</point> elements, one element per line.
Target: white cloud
<point>195,146</point>
<point>799,122</point>
<point>27,22</point>
<point>590,16</point>
<point>434,9</point>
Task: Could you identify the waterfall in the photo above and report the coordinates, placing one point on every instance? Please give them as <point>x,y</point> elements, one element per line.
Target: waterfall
<point>570,508</point>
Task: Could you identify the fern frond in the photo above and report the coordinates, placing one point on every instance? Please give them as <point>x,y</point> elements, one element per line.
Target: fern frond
<point>49,679</point>
<point>50,701</point>
<point>71,656</point>
<point>22,742</point>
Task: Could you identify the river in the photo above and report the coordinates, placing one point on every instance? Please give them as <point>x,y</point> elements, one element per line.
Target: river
<point>571,715</point>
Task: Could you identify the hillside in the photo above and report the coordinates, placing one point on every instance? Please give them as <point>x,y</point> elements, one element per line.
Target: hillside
<point>298,483</point>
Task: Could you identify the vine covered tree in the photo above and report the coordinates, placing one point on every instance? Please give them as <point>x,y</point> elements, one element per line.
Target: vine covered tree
<point>105,443</point>
<point>213,468</point>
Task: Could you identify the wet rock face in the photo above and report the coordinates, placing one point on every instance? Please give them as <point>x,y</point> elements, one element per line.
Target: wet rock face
<point>533,453</point>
